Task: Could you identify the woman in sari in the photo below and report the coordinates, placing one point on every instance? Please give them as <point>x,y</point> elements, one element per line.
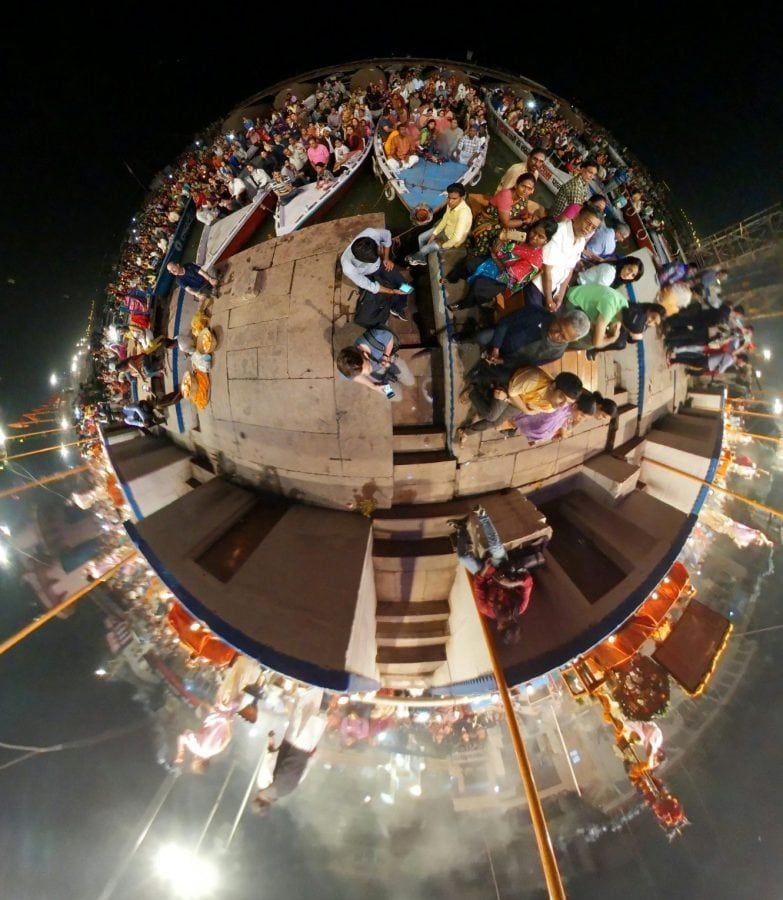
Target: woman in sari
<point>507,210</point>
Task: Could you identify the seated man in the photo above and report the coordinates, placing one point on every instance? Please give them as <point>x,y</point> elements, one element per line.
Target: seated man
<point>532,166</point>
<point>603,307</point>
<point>560,256</point>
<point>603,244</point>
<point>531,336</point>
<point>194,279</point>
<point>323,177</point>
<point>283,186</point>
<point>373,361</point>
<point>367,263</point>
<point>502,590</point>
<point>469,146</point>
<point>575,191</point>
<point>401,155</point>
<point>450,232</point>
<point>257,176</point>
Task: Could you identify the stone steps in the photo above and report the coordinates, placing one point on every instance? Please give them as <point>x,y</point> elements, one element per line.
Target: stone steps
<point>417,633</point>
<point>399,613</point>
<point>418,438</point>
<point>411,661</point>
<point>421,477</point>
<point>627,423</point>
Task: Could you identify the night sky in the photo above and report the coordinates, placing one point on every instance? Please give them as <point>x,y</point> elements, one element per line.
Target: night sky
<point>702,111</point>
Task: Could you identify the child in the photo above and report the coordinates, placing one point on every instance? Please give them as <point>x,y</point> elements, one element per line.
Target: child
<point>323,177</point>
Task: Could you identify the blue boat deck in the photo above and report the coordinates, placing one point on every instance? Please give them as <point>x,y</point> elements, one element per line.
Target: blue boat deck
<point>427,182</point>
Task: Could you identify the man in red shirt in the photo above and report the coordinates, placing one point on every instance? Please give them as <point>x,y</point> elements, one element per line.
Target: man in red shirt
<point>502,591</point>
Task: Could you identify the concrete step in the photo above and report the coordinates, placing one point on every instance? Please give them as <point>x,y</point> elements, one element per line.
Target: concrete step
<point>407,555</point>
<point>411,634</point>
<point>419,520</point>
<point>201,469</point>
<point>394,611</point>
<point>627,423</point>
<point>620,396</point>
<point>424,477</point>
<point>418,438</point>
<point>415,585</point>
<point>410,660</point>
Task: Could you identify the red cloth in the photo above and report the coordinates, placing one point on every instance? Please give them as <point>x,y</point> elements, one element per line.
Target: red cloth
<point>491,596</point>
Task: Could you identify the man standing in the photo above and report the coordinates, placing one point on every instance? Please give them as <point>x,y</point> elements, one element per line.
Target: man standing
<point>194,279</point>
<point>576,190</point>
<point>285,766</point>
<point>450,232</point>
<point>561,254</point>
<point>367,263</point>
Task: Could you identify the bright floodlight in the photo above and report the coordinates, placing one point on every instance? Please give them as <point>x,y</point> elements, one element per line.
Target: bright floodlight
<point>53,380</point>
<point>758,373</point>
<point>2,437</point>
<point>100,672</point>
<point>767,354</point>
<point>64,424</point>
<point>4,557</point>
<point>5,530</point>
<point>186,873</point>
<point>415,790</point>
<point>63,450</point>
<point>777,407</point>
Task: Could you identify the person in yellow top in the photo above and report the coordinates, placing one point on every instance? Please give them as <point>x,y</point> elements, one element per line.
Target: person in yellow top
<point>530,390</point>
<point>450,232</point>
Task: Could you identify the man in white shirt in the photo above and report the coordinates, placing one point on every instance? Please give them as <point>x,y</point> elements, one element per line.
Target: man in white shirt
<point>450,232</point>
<point>285,766</point>
<point>367,263</point>
<point>561,254</point>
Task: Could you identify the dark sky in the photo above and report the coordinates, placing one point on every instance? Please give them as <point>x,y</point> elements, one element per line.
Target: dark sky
<point>702,112</point>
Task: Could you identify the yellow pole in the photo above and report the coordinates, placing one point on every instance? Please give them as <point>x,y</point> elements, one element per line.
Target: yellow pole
<point>22,437</point>
<point>65,473</point>
<point>715,487</point>
<point>545,851</point>
<point>744,412</point>
<point>55,610</point>
<point>49,449</point>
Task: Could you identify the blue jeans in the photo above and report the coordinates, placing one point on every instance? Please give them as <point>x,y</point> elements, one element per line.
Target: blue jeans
<point>392,279</point>
<point>472,562</point>
<point>426,246</point>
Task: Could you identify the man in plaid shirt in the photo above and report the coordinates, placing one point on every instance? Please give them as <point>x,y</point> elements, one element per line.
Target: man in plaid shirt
<point>576,190</point>
<point>469,146</point>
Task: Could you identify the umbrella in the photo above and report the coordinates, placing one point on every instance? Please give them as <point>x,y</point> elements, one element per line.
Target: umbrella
<point>572,117</point>
<point>366,76</point>
<point>447,72</point>
<point>234,121</point>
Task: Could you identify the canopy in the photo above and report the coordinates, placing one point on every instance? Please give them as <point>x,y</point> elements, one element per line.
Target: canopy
<point>572,117</point>
<point>234,121</point>
<point>198,638</point>
<point>300,89</point>
<point>365,76</point>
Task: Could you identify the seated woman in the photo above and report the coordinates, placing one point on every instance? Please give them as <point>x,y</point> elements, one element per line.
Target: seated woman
<point>511,266</point>
<point>547,426</point>
<point>603,306</point>
<point>613,274</point>
<point>507,210</point>
<point>530,390</point>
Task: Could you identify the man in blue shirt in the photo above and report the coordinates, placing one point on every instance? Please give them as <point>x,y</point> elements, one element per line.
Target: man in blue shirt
<point>194,279</point>
<point>530,336</point>
<point>603,244</point>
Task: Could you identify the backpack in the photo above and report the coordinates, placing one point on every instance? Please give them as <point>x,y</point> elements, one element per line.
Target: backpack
<point>371,310</point>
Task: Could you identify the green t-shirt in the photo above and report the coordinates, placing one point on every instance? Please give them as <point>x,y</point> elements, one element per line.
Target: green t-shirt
<point>597,300</point>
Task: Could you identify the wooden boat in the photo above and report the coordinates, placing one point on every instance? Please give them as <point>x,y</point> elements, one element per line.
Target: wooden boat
<point>425,183</point>
<point>312,202</point>
<point>227,236</point>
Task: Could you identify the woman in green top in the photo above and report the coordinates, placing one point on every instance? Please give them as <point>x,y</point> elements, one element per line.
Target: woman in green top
<point>603,306</point>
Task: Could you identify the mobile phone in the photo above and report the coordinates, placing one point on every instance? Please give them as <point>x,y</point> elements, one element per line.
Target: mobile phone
<point>406,288</point>
<point>388,390</point>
